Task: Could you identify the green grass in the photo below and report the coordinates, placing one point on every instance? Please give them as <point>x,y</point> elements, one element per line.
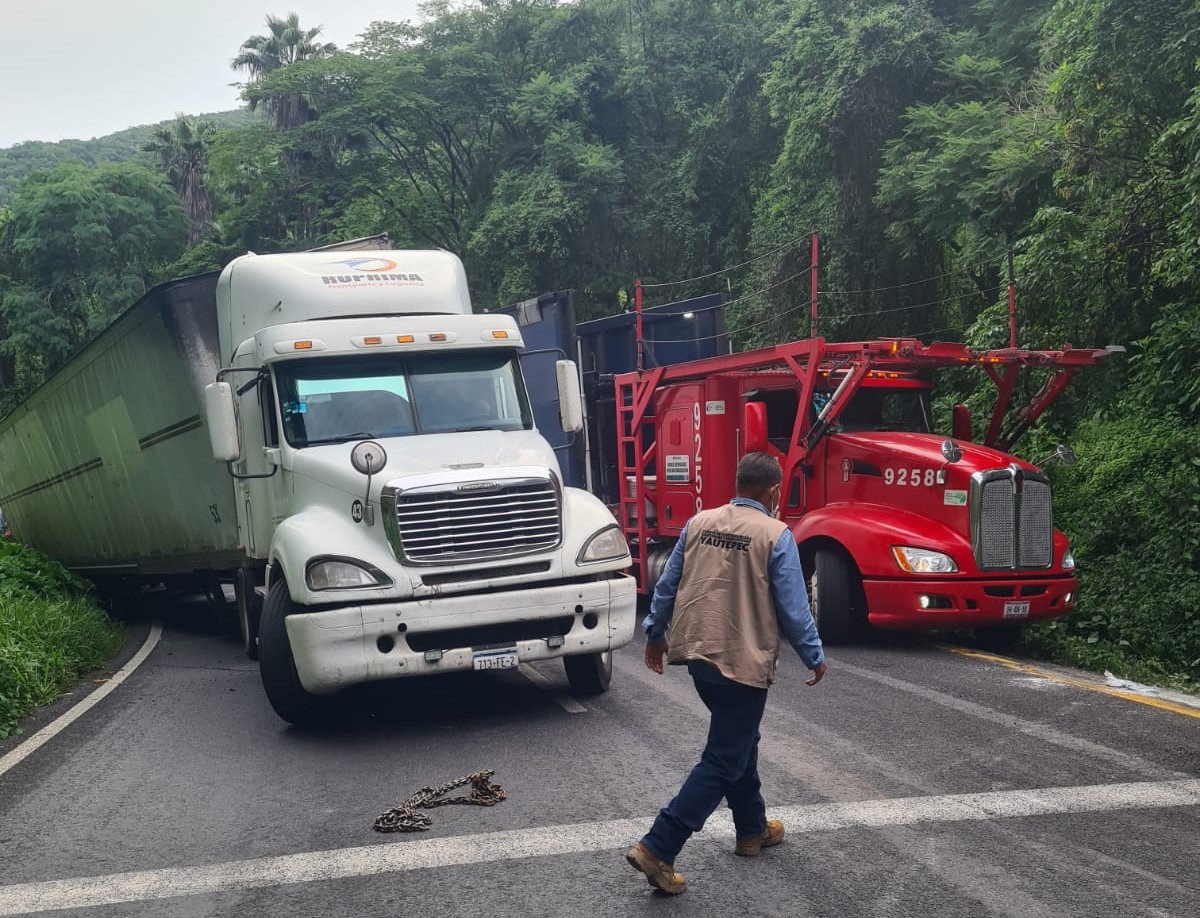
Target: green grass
<point>1055,642</point>
<point>51,632</point>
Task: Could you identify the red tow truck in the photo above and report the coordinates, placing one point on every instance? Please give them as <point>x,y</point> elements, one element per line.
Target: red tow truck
<point>898,527</point>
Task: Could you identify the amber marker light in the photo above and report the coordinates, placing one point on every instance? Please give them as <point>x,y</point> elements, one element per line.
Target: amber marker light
<point>302,345</point>
<point>405,339</point>
<point>373,339</point>
<point>499,334</point>
<point>437,336</point>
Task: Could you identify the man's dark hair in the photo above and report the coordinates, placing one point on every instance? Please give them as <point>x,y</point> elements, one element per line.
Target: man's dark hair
<point>758,472</point>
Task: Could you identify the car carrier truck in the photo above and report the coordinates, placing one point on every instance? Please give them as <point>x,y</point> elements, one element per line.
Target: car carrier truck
<point>381,497</point>
<point>899,527</point>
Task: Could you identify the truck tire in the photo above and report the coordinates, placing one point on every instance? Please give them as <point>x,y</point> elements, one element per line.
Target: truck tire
<point>589,673</point>
<point>833,589</point>
<point>249,610</point>
<point>278,670</point>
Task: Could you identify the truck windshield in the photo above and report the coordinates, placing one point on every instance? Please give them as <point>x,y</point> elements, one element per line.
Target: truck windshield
<point>887,409</point>
<point>338,399</point>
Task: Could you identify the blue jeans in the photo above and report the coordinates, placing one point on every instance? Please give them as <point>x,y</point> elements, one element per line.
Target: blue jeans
<point>728,769</point>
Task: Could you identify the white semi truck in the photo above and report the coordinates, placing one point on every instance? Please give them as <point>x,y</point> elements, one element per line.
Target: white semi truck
<point>381,498</point>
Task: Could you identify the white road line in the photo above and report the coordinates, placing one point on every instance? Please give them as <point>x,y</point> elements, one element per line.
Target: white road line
<point>72,714</point>
<point>427,853</point>
<point>561,698</point>
<point>1041,731</point>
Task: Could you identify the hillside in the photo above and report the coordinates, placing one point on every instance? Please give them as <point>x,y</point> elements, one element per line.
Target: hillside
<point>18,161</point>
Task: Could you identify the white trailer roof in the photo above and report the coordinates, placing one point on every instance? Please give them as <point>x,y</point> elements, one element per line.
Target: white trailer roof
<point>259,291</point>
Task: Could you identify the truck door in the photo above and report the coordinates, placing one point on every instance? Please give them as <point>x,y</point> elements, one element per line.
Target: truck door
<point>679,445</point>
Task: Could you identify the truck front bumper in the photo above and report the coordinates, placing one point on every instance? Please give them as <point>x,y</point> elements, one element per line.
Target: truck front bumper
<point>337,648</point>
<point>897,604</point>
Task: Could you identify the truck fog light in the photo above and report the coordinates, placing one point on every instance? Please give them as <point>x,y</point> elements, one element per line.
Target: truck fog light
<point>606,545</point>
<point>1068,599</point>
<point>432,656</point>
<point>555,640</point>
<point>343,574</point>
<point>924,601</point>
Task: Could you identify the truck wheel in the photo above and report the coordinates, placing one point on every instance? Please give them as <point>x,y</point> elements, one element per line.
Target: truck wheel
<point>589,673</point>
<point>276,666</point>
<point>833,587</point>
<point>1000,638</point>
<point>249,610</point>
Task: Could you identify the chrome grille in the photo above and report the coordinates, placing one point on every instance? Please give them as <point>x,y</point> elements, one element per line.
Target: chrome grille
<point>1011,522</point>
<point>995,548</point>
<point>1036,527</point>
<point>459,523</point>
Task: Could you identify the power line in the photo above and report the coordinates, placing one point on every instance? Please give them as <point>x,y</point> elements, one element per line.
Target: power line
<point>891,309</point>
<point>740,299</point>
<point>751,261</point>
<point>924,280</point>
<point>808,303</point>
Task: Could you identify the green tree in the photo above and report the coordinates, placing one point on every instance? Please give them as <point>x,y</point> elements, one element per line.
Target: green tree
<point>180,149</point>
<point>285,43</point>
<point>78,247</point>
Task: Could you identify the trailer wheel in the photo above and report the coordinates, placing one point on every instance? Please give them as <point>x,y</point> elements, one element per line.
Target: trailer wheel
<point>249,610</point>
<point>1000,638</point>
<point>278,670</point>
<point>589,673</point>
<point>833,589</point>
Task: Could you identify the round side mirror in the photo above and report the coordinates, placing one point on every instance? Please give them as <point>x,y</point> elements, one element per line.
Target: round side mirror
<point>1065,454</point>
<point>368,457</point>
<point>951,451</point>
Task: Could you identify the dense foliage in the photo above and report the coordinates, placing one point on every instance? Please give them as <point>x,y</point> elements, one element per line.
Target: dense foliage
<point>20,161</point>
<point>51,632</point>
<point>585,144</point>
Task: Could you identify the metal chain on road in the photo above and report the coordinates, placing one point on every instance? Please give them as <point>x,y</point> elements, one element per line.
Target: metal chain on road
<point>405,818</point>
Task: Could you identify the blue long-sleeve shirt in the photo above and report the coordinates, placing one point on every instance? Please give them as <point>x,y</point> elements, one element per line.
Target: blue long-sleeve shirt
<point>787,592</point>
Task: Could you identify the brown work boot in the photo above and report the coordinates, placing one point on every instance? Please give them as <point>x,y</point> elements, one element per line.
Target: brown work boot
<point>659,874</point>
<point>752,847</point>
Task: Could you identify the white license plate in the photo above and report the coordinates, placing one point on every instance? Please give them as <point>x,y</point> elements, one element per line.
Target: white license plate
<point>1016,610</point>
<point>498,659</point>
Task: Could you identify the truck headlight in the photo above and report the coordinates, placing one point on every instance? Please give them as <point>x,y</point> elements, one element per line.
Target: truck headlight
<point>1068,560</point>
<point>343,574</point>
<point>923,561</point>
<point>606,545</point>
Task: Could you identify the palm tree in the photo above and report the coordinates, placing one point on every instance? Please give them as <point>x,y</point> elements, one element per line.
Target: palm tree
<point>261,55</point>
<point>181,149</point>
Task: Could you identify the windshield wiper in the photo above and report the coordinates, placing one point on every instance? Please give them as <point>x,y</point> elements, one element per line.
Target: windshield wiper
<point>361,435</point>
<point>478,427</point>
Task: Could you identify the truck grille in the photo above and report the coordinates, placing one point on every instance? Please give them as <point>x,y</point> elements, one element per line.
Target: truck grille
<point>1011,524</point>
<point>473,520</point>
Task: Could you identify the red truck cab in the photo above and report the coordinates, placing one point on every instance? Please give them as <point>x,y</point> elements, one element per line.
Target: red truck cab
<point>898,527</point>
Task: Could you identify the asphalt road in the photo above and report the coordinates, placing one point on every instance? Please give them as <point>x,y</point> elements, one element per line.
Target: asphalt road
<point>913,780</point>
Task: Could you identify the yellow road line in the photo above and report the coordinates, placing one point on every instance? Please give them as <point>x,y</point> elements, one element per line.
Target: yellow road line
<point>1020,667</point>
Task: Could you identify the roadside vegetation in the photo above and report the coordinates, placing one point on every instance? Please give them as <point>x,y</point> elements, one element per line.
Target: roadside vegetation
<point>51,632</point>
<point>581,145</point>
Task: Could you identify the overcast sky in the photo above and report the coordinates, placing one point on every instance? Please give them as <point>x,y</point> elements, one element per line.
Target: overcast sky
<point>85,68</point>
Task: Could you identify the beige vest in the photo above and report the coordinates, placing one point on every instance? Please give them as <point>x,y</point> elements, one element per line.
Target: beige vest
<point>724,613</point>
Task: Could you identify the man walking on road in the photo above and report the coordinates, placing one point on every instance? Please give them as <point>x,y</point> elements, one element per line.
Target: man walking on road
<point>732,583</point>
